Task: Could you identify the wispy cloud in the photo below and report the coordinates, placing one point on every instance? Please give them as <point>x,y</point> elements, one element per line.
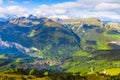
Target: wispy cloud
<point>1,1</point>
<point>27,2</point>
<point>103,9</point>
<point>11,2</point>
<point>14,10</point>
<point>108,6</point>
<point>108,9</point>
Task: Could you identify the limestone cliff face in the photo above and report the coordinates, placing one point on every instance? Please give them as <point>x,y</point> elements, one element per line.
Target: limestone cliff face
<point>113,25</point>
<point>88,21</point>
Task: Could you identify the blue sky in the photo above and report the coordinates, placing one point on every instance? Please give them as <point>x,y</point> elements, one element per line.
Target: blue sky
<point>33,3</point>
<point>103,9</point>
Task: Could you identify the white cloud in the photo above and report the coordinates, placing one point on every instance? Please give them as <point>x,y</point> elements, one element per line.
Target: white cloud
<point>1,1</point>
<point>60,10</point>
<point>108,9</point>
<point>60,16</point>
<point>47,10</point>
<point>14,10</point>
<point>17,10</point>
<point>1,12</point>
<point>80,9</point>
<point>26,2</point>
<point>11,2</point>
<point>1,9</point>
<point>98,1</point>
<point>102,15</point>
<point>103,9</point>
<point>108,6</point>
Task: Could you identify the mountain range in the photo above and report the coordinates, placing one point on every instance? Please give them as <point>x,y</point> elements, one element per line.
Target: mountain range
<point>29,45</point>
<point>40,33</point>
<point>54,36</point>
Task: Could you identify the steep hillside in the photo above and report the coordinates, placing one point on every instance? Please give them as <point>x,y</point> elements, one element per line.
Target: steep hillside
<point>94,33</point>
<point>47,36</point>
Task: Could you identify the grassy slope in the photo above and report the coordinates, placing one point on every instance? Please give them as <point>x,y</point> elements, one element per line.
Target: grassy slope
<point>86,62</point>
<point>63,76</point>
<point>20,77</point>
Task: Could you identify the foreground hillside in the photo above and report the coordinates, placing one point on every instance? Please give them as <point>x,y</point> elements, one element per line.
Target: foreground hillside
<point>66,76</point>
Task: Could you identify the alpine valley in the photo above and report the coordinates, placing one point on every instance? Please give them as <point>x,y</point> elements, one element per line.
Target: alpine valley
<point>41,48</point>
